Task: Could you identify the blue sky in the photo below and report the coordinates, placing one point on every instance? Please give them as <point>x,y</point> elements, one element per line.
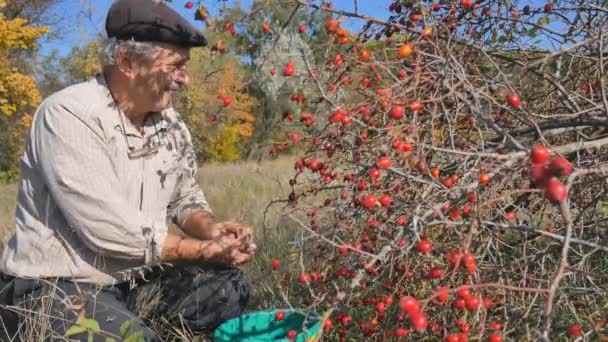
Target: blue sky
<point>82,27</point>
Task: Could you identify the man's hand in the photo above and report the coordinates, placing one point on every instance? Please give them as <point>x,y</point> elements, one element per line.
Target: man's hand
<point>230,227</point>
<point>229,250</point>
<point>224,249</point>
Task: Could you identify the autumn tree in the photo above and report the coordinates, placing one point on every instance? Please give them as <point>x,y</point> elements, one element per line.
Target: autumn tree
<point>216,106</point>
<point>19,94</point>
<point>80,64</point>
<point>259,36</point>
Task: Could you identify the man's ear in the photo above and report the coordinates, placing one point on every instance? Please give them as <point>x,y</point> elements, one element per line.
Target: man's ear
<point>124,64</point>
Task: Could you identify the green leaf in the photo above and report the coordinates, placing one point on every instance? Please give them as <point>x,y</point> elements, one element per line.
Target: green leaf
<point>75,329</point>
<point>124,328</point>
<point>544,20</point>
<point>109,339</point>
<point>532,33</point>
<point>90,324</point>
<point>90,337</point>
<point>137,337</point>
<point>502,39</point>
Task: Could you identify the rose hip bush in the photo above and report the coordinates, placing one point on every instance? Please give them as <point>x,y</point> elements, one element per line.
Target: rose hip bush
<point>459,149</point>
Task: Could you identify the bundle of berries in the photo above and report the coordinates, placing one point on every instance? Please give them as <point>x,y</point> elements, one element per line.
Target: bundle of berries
<point>546,171</point>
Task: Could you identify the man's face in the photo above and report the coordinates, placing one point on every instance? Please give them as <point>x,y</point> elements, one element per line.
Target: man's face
<point>155,83</point>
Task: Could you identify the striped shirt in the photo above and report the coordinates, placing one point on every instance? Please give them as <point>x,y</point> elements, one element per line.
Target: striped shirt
<point>88,212</point>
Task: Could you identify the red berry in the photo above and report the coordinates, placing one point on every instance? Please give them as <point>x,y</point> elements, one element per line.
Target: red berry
<point>442,295</point>
<point>397,112</point>
<point>559,166</point>
<point>189,5</point>
<point>416,106</point>
<point>466,3</point>
<point>539,174</point>
<point>452,338</point>
<point>369,201</point>
<point>346,320</point>
<point>302,28</point>
<point>513,100</point>
<point>327,325</point>
<point>540,154</point>
<point>400,332</point>
<point>448,182</point>
<point>304,278</point>
<point>374,173</point>
<point>575,330</point>
<point>424,246</point>
<point>384,162</point>
<point>292,334</point>
<point>289,69</point>
<point>471,197</point>
<point>380,307</point>
<point>275,264</point>
<point>409,305</point>
<point>421,166</point>
<point>494,326</point>
<point>487,303</point>
<point>495,338</point>
<point>511,216</point>
<point>556,191</point>
<point>279,315</point>
<point>419,321</point>
<point>472,303</point>
<point>386,201</point>
<point>454,256</point>
<point>463,293</point>
<point>460,303</point>
<point>436,272</point>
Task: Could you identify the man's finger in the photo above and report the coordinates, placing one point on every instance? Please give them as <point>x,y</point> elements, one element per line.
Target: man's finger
<point>240,258</point>
<point>228,242</point>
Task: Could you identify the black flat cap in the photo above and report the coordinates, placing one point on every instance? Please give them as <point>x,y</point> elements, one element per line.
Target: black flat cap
<point>151,21</point>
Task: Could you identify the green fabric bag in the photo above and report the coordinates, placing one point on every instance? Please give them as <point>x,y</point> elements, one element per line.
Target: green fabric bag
<point>260,326</point>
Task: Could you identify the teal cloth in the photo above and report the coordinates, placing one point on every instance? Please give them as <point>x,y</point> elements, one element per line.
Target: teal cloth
<point>262,326</point>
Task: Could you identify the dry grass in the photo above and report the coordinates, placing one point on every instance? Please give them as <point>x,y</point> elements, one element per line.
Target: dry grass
<point>240,190</point>
<point>8,200</point>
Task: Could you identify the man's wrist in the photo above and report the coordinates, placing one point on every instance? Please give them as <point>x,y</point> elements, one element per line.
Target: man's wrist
<point>177,248</point>
<point>199,225</point>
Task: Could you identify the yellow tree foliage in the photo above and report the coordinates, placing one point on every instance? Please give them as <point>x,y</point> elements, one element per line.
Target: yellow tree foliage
<point>83,62</point>
<point>211,77</point>
<point>18,92</point>
<point>19,95</point>
<point>16,34</point>
<point>223,146</point>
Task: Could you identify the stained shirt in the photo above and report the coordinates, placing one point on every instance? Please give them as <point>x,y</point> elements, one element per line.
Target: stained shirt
<point>88,212</point>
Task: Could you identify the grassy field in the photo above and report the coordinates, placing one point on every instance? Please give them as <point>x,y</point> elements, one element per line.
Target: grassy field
<point>241,191</point>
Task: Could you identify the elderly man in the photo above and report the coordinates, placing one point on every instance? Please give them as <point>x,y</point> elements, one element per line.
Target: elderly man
<point>108,163</point>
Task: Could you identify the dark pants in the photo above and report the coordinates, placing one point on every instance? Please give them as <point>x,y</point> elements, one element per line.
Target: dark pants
<point>193,299</point>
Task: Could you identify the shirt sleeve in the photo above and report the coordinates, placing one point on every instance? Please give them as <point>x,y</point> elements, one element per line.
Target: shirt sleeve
<point>76,164</point>
<point>188,196</point>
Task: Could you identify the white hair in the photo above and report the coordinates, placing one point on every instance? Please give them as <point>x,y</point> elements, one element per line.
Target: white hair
<point>136,50</point>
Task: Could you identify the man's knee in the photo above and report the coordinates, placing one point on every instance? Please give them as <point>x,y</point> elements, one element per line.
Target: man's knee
<point>209,296</point>
<point>238,290</point>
